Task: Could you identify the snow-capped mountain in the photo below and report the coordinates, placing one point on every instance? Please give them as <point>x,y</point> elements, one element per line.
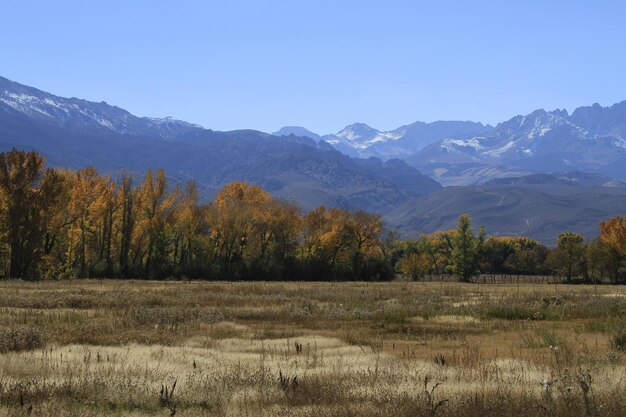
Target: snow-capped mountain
<point>74,133</point>
<point>359,135</point>
<point>85,114</point>
<point>363,141</point>
<point>591,139</point>
<point>307,169</point>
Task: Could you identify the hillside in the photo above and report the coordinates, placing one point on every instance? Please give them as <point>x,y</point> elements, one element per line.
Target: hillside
<point>76,133</point>
<point>538,206</point>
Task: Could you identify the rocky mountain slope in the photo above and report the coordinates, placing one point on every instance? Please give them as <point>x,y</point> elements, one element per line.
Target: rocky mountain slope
<point>592,139</point>
<point>77,133</point>
<point>361,140</point>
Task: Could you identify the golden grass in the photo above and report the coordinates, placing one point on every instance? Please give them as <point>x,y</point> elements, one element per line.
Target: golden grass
<point>366,349</point>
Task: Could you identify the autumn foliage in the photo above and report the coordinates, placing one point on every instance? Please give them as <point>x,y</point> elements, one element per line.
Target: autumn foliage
<point>74,224</point>
<point>63,224</point>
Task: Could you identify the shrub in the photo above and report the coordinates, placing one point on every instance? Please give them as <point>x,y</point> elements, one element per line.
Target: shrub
<point>618,340</point>
<point>16,339</point>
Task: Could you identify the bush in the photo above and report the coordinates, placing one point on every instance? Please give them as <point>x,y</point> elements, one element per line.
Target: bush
<point>504,311</point>
<point>16,339</point>
<point>618,340</point>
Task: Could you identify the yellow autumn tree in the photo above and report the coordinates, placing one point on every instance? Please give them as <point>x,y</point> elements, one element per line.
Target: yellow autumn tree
<point>613,239</point>
<point>275,231</point>
<point>28,197</point>
<point>155,206</point>
<point>90,216</point>
<point>366,230</point>
<point>57,220</point>
<point>235,221</point>
<point>126,200</point>
<point>414,265</point>
<point>438,247</point>
<point>188,224</point>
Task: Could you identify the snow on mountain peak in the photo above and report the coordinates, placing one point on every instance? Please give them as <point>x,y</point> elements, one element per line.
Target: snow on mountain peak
<point>169,120</point>
<point>453,145</point>
<point>62,111</point>
<point>358,132</point>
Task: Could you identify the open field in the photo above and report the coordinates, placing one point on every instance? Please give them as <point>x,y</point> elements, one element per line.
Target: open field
<point>96,348</point>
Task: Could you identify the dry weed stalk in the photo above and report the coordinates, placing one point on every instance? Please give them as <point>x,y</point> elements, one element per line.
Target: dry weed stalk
<point>288,384</point>
<point>431,400</point>
<point>166,396</point>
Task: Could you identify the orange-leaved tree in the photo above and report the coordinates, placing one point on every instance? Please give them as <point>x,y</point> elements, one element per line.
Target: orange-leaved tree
<point>613,237</point>
<point>25,192</point>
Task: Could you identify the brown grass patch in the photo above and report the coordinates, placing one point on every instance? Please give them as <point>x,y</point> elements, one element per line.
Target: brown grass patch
<point>310,349</point>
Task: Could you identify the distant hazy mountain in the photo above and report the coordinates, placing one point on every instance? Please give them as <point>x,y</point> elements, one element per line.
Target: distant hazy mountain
<point>592,139</point>
<point>402,142</point>
<point>600,120</point>
<point>296,131</point>
<point>540,206</point>
<point>362,141</point>
<point>558,180</point>
<point>77,133</point>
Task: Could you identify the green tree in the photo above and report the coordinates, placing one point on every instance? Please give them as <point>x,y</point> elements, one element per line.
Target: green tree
<point>596,260</point>
<point>569,253</point>
<point>467,249</point>
<point>415,262</point>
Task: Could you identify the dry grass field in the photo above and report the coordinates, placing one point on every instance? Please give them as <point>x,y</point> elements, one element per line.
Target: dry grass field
<point>138,348</point>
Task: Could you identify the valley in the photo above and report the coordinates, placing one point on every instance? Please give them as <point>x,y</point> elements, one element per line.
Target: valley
<point>487,171</point>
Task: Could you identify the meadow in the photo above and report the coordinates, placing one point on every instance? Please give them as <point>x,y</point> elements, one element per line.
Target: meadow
<point>139,348</point>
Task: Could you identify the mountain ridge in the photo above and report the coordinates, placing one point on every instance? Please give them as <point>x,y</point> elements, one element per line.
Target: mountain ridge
<point>77,133</point>
<point>540,142</point>
<point>515,207</point>
<point>57,110</point>
<point>513,198</point>
<point>591,139</point>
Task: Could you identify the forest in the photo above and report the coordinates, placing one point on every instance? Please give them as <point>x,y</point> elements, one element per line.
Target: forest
<point>58,223</point>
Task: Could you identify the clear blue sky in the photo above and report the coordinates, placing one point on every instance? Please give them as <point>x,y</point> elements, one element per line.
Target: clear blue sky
<point>320,64</point>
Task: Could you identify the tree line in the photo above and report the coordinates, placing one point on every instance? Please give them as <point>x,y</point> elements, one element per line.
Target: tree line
<point>465,253</point>
<point>65,224</point>
<point>58,223</point>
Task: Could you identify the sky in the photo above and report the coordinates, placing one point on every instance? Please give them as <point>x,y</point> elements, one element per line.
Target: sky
<point>319,64</point>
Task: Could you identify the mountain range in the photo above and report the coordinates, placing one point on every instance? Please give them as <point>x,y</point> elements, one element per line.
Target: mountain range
<point>591,139</point>
<point>509,177</point>
<point>362,141</point>
<point>76,133</point>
